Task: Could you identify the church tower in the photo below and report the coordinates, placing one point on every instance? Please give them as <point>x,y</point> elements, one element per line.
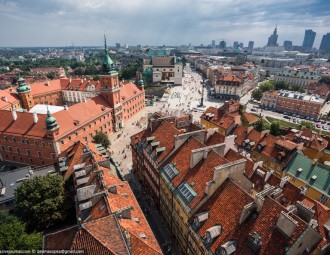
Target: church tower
<point>24,92</point>
<point>110,87</point>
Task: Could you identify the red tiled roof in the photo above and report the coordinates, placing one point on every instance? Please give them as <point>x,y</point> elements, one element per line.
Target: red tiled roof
<point>227,200</point>
<point>23,125</point>
<point>84,112</point>
<point>102,236</point>
<point>80,83</point>
<point>230,77</point>
<point>125,198</point>
<point>164,133</point>
<point>215,138</point>
<point>10,95</point>
<point>45,87</point>
<point>128,91</point>
<point>286,144</point>
<point>273,241</point>
<point>250,118</point>
<point>240,133</point>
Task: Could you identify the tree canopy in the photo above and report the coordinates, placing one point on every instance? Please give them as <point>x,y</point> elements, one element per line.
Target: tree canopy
<point>13,235</point>
<point>259,125</point>
<point>39,201</point>
<point>275,128</point>
<point>102,138</point>
<point>325,79</point>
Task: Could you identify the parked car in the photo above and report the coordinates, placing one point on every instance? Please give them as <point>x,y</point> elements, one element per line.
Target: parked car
<point>253,110</point>
<point>323,121</point>
<point>286,117</point>
<point>324,128</point>
<point>318,125</point>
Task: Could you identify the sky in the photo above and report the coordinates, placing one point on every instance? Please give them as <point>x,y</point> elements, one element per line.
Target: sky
<point>159,22</point>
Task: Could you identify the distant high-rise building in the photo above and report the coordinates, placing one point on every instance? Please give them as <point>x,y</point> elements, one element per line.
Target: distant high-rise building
<point>308,39</point>
<point>235,45</point>
<point>222,45</point>
<point>251,44</point>
<point>139,47</point>
<point>325,43</point>
<point>272,40</point>
<point>213,43</point>
<point>118,45</point>
<point>126,46</point>
<point>287,45</point>
<point>240,45</point>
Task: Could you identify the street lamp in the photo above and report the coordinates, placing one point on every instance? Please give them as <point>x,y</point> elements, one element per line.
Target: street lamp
<point>202,98</point>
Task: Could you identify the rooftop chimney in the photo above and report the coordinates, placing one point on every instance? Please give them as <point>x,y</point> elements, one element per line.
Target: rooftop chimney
<point>66,107</point>
<point>35,117</point>
<point>48,83</point>
<point>286,224</point>
<point>13,112</point>
<point>70,80</point>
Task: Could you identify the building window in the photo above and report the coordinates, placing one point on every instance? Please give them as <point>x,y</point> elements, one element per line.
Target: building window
<point>28,152</point>
<point>18,150</point>
<point>43,144</point>
<point>2,147</point>
<point>69,137</point>
<point>50,145</point>
<point>52,155</point>
<point>35,143</point>
<point>5,138</point>
<point>9,148</point>
<point>62,142</point>
<point>14,139</point>
<point>39,153</point>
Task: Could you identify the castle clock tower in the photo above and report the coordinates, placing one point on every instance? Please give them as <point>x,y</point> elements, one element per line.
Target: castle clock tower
<point>110,88</point>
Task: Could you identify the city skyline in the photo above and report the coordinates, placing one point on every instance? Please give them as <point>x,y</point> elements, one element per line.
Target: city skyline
<point>61,23</point>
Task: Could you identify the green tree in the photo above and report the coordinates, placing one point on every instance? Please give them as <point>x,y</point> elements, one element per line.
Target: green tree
<point>102,138</point>
<point>51,75</point>
<point>275,128</point>
<point>256,94</point>
<point>325,79</point>
<point>259,125</point>
<point>39,201</point>
<point>13,235</point>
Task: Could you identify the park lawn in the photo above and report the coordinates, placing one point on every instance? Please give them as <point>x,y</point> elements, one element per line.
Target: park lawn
<point>283,123</point>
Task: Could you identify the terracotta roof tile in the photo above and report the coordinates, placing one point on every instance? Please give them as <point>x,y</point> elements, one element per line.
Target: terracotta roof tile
<point>273,242</point>
<point>250,118</point>
<point>241,133</point>
<point>10,95</point>
<point>125,198</point>
<point>215,138</point>
<point>23,125</point>
<point>228,200</point>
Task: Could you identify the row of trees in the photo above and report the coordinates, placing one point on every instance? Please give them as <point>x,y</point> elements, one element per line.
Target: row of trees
<point>272,85</point>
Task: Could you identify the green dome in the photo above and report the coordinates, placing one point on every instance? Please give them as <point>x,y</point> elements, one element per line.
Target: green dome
<point>50,122</point>
<point>140,83</point>
<point>22,86</point>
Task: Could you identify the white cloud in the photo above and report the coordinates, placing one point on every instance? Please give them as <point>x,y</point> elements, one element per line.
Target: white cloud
<point>59,22</point>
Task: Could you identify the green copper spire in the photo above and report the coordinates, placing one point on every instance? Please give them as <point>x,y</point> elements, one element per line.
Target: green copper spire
<point>51,123</point>
<point>107,66</point>
<point>22,86</point>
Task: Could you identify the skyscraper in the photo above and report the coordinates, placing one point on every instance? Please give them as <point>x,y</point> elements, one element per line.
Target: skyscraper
<point>235,45</point>
<point>287,45</point>
<point>325,43</point>
<point>308,39</point>
<point>222,45</point>
<point>240,45</point>
<point>251,44</point>
<point>213,43</point>
<point>272,40</point>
